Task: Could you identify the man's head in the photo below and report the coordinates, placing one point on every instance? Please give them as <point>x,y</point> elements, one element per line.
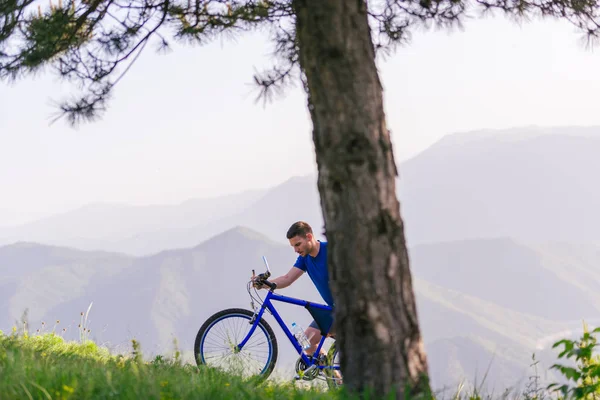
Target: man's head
<point>301,238</point>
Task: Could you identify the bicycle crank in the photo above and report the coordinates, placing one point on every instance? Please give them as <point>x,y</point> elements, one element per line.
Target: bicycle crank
<point>305,372</point>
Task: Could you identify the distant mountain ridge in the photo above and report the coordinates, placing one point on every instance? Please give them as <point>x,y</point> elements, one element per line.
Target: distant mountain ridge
<point>538,188</point>
<point>118,227</point>
<point>535,184</point>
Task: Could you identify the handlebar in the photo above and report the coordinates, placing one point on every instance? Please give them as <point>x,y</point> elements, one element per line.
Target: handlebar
<point>263,279</point>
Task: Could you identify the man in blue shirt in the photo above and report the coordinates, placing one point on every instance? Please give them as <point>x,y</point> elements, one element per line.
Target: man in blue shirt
<point>312,259</point>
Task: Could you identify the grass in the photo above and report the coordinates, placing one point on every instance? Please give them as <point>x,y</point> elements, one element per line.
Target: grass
<point>45,366</point>
<point>48,367</point>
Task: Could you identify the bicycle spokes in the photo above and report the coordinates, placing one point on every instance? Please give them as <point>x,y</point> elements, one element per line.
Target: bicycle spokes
<point>220,349</point>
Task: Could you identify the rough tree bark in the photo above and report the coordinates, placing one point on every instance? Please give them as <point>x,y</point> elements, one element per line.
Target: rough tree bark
<point>381,348</point>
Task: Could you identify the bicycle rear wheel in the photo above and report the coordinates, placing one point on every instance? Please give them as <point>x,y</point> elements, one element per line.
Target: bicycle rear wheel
<point>334,377</point>
<point>217,340</point>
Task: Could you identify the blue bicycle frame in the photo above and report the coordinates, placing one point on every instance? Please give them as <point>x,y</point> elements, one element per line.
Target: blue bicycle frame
<point>267,304</point>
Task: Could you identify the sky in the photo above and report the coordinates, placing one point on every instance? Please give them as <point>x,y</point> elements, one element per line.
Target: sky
<point>187,124</point>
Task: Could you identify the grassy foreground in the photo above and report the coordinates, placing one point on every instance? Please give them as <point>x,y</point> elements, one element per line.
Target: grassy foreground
<point>47,367</point>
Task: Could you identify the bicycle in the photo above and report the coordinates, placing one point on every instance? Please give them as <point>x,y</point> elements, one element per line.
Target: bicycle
<point>307,367</point>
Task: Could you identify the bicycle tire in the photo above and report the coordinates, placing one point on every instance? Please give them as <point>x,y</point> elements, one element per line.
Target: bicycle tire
<point>333,381</point>
<point>240,312</point>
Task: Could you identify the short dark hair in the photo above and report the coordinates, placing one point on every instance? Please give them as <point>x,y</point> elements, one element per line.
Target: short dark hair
<point>299,228</point>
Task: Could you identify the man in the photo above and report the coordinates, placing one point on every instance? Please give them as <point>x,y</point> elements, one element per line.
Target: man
<point>312,258</point>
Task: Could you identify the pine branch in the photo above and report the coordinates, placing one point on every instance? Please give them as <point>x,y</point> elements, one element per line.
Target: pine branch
<point>94,43</point>
<point>583,14</point>
<point>280,76</point>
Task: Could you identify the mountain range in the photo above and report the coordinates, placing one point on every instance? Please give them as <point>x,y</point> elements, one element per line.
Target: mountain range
<point>502,234</point>
<point>535,184</point>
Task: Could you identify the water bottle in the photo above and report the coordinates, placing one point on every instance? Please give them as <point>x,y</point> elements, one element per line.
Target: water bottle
<point>299,334</point>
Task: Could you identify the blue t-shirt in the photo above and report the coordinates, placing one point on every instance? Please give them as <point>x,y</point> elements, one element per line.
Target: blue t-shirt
<point>316,267</point>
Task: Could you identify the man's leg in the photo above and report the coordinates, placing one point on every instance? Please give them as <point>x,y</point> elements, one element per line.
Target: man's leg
<point>313,333</point>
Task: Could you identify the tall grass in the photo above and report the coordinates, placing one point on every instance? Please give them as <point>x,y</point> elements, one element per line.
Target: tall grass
<point>48,367</point>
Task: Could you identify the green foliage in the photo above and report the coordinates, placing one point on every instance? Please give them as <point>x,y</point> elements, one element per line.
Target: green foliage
<point>46,366</point>
<point>52,33</point>
<point>584,375</point>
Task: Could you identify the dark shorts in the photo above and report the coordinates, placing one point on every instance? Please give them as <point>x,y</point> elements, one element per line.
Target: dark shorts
<point>323,319</point>
<point>316,326</point>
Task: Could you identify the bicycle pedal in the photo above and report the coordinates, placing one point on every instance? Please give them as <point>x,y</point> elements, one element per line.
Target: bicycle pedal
<point>297,377</point>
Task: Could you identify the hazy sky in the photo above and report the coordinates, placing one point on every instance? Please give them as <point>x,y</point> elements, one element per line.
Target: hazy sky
<point>186,125</point>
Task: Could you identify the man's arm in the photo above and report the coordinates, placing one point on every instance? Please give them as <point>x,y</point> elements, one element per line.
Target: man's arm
<point>286,280</point>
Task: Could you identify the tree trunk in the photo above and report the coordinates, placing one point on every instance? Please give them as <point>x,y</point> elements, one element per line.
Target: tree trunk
<point>381,348</point>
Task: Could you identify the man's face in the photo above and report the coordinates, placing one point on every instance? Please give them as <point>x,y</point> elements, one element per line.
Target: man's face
<point>302,245</point>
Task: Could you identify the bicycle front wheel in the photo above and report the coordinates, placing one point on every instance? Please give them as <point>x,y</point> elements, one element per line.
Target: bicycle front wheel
<point>217,340</point>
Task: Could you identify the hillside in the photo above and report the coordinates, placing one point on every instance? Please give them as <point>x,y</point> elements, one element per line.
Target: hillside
<point>158,298</point>
<point>506,273</point>
<point>39,278</point>
<point>464,335</point>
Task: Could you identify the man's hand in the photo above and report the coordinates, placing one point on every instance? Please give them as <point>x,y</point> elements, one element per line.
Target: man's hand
<point>282,281</point>
<point>257,282</point>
